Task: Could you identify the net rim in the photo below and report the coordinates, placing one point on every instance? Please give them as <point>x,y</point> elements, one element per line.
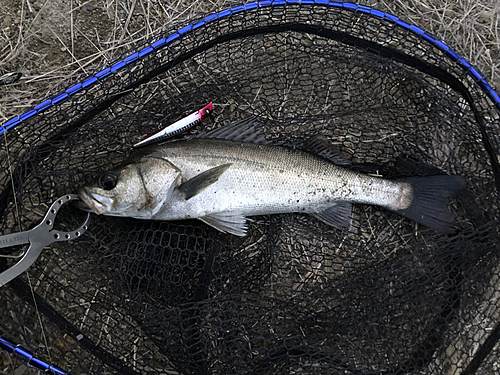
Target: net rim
<point>154,46</point>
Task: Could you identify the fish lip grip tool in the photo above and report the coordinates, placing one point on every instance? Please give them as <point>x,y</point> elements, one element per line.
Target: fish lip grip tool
<point>40,236</point>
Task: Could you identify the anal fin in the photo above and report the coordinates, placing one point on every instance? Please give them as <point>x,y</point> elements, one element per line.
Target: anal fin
<point>228,222</point>
<point>338,215</point>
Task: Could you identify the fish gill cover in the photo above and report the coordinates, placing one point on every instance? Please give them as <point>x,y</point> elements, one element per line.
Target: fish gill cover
<point>295,295</point>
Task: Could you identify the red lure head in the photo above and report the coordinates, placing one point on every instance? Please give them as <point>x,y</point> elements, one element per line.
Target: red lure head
<point>205,111</point>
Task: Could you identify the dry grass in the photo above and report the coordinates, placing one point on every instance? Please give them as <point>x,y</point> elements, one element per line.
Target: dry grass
<point>470,27</point>
<point>54,42</point>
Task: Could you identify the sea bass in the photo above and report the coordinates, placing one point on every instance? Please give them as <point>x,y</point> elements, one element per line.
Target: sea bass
<point>232,173</point>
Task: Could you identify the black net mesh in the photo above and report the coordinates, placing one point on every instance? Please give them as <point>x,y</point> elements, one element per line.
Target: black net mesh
<point>294,296</point>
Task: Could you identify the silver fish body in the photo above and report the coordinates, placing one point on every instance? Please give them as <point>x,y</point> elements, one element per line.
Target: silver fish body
<point>222,182</point>
<point>265,180</point>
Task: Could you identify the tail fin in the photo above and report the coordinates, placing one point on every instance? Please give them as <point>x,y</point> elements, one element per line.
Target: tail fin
<point>429,203</point>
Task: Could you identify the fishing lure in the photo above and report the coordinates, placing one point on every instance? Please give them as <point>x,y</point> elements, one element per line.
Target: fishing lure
<point>177,127</point>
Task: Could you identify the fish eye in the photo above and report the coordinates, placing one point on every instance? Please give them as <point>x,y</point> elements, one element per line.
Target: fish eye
<point>108,181</point>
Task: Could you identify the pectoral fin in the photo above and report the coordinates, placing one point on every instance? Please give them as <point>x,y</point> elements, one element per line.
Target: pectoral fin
<point>200,182</point>
<point>227,222</point>
<point>338,215</point>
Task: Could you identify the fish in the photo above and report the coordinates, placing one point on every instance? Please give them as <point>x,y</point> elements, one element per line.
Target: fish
<point>226,176</point>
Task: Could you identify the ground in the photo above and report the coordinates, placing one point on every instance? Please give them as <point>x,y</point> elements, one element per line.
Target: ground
<point>51,42</point>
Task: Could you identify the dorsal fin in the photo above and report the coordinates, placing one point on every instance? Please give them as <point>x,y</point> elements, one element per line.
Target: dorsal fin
<point>248,130</point>
<point>321,146</point>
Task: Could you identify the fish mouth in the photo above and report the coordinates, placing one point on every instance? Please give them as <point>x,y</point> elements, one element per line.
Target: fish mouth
<point>92,202</point>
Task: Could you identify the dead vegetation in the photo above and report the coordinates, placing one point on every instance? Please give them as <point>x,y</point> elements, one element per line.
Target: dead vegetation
<point>53,43</point>
<point>48,44</point>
